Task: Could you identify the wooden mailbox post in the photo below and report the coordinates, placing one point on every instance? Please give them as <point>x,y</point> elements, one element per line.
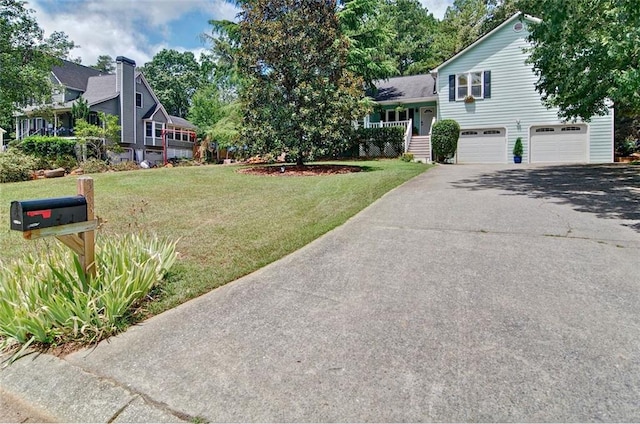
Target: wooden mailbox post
<point>79,236</point>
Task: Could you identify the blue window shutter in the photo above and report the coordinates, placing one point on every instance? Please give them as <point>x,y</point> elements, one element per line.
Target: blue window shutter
<point>487,84</point>
<point>452,88</point>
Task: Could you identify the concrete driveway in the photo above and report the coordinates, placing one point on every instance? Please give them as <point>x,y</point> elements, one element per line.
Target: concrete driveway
<point>471,293</point>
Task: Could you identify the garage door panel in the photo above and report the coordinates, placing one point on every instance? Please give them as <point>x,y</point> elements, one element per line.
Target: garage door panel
<point>559,143</point>
<point>482,146</point>
<point>154,157</point>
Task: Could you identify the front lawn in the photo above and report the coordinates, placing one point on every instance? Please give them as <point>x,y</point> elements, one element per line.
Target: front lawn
<point>228,224</point>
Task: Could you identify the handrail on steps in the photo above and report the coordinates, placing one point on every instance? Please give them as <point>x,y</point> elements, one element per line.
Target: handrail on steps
<point>407,135</point>
<point>433,122</point>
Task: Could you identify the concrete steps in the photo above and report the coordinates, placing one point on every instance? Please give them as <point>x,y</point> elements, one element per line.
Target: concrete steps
<point>420,146</point>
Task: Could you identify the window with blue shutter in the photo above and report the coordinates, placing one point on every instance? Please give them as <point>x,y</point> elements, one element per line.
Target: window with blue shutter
<point>475,84</point>
<point>487,84</point>
<point>452,88</point>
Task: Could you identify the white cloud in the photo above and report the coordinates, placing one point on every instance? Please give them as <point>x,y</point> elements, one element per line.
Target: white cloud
<point>437,7</point>
<point>221,9</point>
<point>137,29</point>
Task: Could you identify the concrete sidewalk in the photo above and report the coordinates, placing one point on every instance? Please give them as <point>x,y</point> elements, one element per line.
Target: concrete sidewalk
<point>459,296</point>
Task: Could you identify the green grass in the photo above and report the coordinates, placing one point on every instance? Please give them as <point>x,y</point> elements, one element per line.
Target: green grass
<point>228,224</point>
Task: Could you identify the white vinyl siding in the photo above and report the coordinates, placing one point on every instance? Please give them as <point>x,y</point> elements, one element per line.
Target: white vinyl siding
<point>514,103</point>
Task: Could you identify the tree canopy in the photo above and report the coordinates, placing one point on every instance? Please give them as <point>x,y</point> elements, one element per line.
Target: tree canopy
<point>415,31</point>
<point>174,76</point>
<point>583,58</point>
<point>105,63</point>
<point>298,96</point>
<point>369,36</point>
<point>26,58</point>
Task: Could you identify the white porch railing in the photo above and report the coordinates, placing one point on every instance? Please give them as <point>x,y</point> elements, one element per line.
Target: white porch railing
<point>404,124</point>
<point>433,122</point>
<point>408,131</point>
<point>407,125</point>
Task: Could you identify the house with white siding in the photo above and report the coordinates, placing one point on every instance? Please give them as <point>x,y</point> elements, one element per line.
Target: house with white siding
<point>148,132</point>
<point>488,88</point>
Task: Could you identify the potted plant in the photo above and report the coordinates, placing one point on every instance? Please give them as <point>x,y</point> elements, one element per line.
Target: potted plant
<point>517,151</point>
<point>469,99</point>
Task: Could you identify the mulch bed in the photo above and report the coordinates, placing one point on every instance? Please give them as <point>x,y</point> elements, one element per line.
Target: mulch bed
<point>298,171</point>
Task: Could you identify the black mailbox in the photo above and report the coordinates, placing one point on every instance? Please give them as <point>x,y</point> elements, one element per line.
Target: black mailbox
<point>34,214</point>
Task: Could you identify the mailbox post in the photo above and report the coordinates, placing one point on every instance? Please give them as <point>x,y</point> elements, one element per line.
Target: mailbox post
<point>70,219</point>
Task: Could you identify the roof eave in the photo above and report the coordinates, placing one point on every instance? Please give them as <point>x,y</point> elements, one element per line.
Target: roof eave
<point>410,100</point>
<point>106,99</point>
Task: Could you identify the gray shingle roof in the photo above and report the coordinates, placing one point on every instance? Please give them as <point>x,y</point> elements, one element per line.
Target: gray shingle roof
<point>404,88</point>
<point>181,122</point>
<point>150,112</point>
<point>100,89</point>
<point>73,75</point>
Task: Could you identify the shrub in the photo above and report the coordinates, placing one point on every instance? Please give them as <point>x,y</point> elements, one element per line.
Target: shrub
<point>16,166</point>
<point>94,166</point>
<point>50,152</point>
<point>125,165</point>
<point>379,137</point>
<point>48,147</point>
<point>407,157</point>
<point>183,162</point>
<point>517,147</point>
<point>627,147</point>
<point>47,299</point>
<point>444,138</point>
<point>66,162</point>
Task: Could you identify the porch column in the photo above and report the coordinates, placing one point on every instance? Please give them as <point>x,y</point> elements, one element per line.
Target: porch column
<point>55,123</point>
<point>18,129</point>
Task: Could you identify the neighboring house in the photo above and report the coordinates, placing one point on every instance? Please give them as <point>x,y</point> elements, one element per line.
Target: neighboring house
<point>148,132</point>
<point>505,106</point>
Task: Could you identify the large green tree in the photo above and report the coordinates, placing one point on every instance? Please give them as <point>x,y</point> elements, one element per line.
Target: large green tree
<point>99,139</point>
<point>174,76</point>
<point>299,97</point>
<point>105,63</point>
<point>463,23</point>
<point>215,107</point>
<point>361,21</point>
<point>221,63</point>
<point>583,58</point>
<point>26,58</point>
<point>369,36</point>
<point>415,30</point>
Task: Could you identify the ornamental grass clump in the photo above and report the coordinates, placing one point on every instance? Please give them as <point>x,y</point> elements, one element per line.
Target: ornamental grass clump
<point>46,298</point>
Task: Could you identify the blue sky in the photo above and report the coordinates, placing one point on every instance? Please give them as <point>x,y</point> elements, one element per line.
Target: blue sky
<point>138,29</point>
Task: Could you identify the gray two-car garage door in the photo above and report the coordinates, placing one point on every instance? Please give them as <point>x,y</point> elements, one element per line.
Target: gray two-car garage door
<point>559,143</point>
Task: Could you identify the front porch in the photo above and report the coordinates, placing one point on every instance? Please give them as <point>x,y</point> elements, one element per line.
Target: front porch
<point>417,121</point>
<point>60,123</point>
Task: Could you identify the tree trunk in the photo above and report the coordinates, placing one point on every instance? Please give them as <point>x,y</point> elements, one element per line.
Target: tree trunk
<point>300,160</point>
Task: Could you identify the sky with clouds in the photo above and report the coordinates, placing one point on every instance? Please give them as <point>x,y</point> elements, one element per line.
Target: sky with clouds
<point>138,29</point>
